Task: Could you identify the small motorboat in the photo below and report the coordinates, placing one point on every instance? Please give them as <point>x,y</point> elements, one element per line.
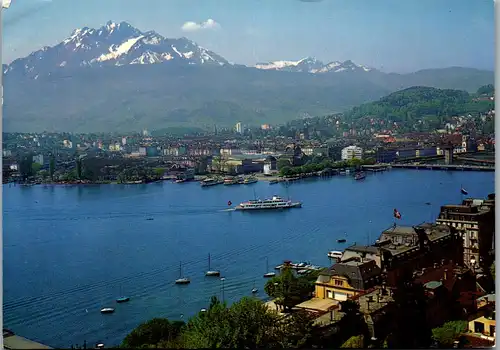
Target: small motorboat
<point>254,290</point>
<point>107,310</point>
<point>359,176</point>
<point>122,299</point>
<point>183,280</point>
<point>341,240</point>
<point>335,254</point>
<point>203,310</point>
<point>149,219</point>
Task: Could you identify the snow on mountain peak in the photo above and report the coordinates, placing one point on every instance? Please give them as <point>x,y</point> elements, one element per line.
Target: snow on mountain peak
<point>312,65</point>
<point>114,43</point>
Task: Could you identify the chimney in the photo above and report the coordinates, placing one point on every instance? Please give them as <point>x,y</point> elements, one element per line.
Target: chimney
<point>445,274</point>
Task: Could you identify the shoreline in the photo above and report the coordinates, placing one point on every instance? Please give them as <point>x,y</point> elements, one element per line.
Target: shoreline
<point>259,177</point>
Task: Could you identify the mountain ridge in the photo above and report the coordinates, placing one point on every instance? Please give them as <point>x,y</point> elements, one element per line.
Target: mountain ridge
<point>156,82</point>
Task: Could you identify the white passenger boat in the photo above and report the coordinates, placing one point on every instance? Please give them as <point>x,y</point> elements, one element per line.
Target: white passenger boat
<point>267,204</point>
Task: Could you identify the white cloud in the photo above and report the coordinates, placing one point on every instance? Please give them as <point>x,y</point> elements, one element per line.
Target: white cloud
<point>193,26</point>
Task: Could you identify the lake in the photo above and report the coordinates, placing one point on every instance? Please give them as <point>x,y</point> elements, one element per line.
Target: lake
<point>70,250</point>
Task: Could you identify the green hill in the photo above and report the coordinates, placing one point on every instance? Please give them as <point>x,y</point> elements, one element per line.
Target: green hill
<point>429,105</point>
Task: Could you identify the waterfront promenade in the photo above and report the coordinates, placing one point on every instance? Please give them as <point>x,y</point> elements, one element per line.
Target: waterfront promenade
<point>450,167</point>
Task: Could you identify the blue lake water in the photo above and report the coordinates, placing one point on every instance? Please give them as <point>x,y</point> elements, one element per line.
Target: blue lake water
<point>70,250</point>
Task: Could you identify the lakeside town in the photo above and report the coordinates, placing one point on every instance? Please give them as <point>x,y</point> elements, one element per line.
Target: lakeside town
<point>306,147</point>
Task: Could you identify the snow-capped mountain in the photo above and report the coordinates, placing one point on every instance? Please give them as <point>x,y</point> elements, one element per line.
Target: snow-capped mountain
<point>114,44</point>
<point>312,65</point>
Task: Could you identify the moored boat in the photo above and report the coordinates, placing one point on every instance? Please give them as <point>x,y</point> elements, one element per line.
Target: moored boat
<point>231,181</point>
<point>250,180</point>
<point>335,254</point>
<point>107,310</point>
<point>210,272</point>
<point>211,182</point>
<point>360,175</point>
<point>181,279</point>
<point>122,299</point>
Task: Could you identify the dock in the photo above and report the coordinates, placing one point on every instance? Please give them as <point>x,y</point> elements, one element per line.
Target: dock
<point>444,167</point>
<point>418,166</point>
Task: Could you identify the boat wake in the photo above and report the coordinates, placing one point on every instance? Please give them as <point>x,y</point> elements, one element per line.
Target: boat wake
<point>230,209</point>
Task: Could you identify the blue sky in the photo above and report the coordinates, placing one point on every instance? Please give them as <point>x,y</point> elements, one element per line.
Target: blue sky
<point>391,35</point>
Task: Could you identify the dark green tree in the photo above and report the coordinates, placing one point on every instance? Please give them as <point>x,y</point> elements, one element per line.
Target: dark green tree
<point>52,167</point>
<point>247,324</point>
<point>154,332</point>
<point>354,342</point>
<point>78,167</point>
<point>25,166</point>
<point>411,304</point>
<point>287,290</point>
<point>449,332</point>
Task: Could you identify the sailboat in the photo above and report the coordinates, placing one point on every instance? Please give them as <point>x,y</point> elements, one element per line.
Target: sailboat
<point>122,299</point>
<point>211,272</point>
<point>107,310</point>
<point>254,290</point>
<point>268,274</point>
<point>182,280</point>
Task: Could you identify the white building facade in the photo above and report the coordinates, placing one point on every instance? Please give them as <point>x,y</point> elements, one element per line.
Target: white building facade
<point>352,152</point>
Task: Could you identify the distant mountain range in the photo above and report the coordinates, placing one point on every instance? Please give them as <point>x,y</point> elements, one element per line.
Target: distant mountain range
<point>118,78</point>
<point>312,65</point>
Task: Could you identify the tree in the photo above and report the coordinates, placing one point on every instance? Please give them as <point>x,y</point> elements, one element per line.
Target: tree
<point>449,332</point>
<point>353,322</point>
<point>52,167</point>
<point>25,166</point>
<point>154,332</point>
<point>287,289</point>
<point>282,162</point>
<point>159,172</point>
<point>78,162</point>
<point>354,342</point>
<point>247,324</point>
<point>35,168</point>
<point>411,302</point>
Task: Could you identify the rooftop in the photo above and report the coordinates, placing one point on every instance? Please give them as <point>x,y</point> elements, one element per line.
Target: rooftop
<point>358,273</point>
<point>374,301</point>
<point>317,304</point>
<point>364,249</point>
